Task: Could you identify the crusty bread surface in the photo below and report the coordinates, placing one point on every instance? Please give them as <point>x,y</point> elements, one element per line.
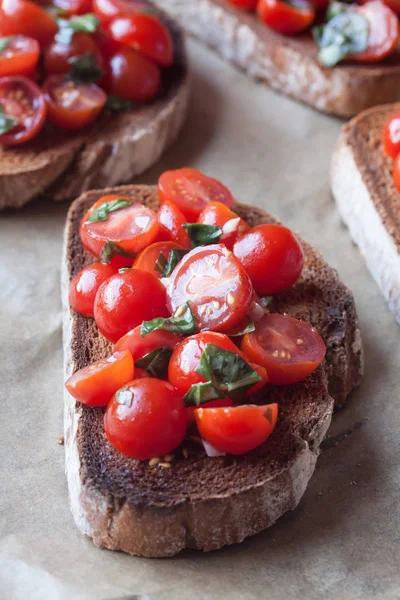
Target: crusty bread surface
<point>287,63</point>
<point>204,503</point>
<point>114,150</point>
<point>362,185</point>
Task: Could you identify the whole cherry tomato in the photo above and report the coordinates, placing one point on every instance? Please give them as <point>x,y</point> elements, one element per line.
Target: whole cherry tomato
<point>170,225</point>
<point>24,108</point>
<point>148,258</point>
<point>233,227</point>
<point>391,135</point>
<point>139,346</point>
<point>56,57</point>
<point>84,286</point>
<point>286,17</point>
<point>19,56</point>
<point>383,32</point>
<point>22,17</point>
<point>132,76</point>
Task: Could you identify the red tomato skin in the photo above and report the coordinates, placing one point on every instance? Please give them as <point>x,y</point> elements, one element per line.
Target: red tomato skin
<point>140,346</point>
<point>57,55</point>
<point>132,76</point>
<point>147,258</point>
<point>26,18</point>
<point>383,35</point>
<point>223,403</point>
<point>121,305</point>
<point>107,10</point>
<point>391,135</point>
<point>284,18</point>
<point>170,225</point>
<point>96,388</point>
<point>216,213</point>
<point>262,371</point>
<point>176,186</point>
<point>146,34</point>
<point>244,4</point>
<point>236,430</point>
<point>271,256</point>
<point>21,63</point>
<point>74,7</point>
<point>396,172</point>
<point>85,284</point>
<point>153,426</point>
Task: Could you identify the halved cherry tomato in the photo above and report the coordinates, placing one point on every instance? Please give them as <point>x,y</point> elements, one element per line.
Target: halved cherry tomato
<point>85,284</point>
<point>147,418</point>
<point>245,4</point>
<point>21,99</point>
<point>396,172</point>
<point>383,32</point>
<point>22,17</point>
<point>57,56</point>
<point>19,56</point>
<point>147,259</point>
<point>222,403</point>
<point>286,17</point>
<point>74,7</point>
<point>95,385</point>
<point>216,286</point>
<point>289,349</point>
<point>191,191</point>
<point>262,371</point>
<point>238,429</point>
<point>144,33</point>
<point>107,10</point>
<point>72,105</point>
<point>132,227</point>
<point>271,256</point>
<point>126,300</point>
<point>171,221</point>
<point>186,358</point>
<point>132,76</point>
<point>391,135</point>
<point>140,346</point>
<point>233,227</point>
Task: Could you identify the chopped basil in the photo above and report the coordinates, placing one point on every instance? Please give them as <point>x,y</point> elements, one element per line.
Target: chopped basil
<point>182,322</point>
<point>7,123</point>
<point>201,393</point>
<point>88,23</point>
<point>202,234</point>
<point>124,396</point>
<point>164,266</point>
<point>156,362</point>
<point>117,104</point>
<point>249,327</point>
<point>111,249</point>
<point>101,213</point>
<point>266,300</point>
<point>5,42</point>
<point>84,69</point>
<point>55,12</point>
<point>345,34</point>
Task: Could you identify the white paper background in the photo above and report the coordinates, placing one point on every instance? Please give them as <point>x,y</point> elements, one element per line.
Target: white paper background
<point>343,541</point>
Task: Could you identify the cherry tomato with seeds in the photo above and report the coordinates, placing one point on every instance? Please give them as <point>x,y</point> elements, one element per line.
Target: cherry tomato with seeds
<point>133,227</point>
<point>289,349</point>
<point>132,76</point>
<point>216,286</point>
<point>19,56</point>
<point>127,299</point>
<point>233,227</point>
<point>170,225</point>
<point>74,7</point>
<point>271,256</point>
<point>22,101</point>
<point>22,17</point>
<point>245,4</point>
<point>147,418</point>
<point>84,286</point>
<point>383,32</point>
<point>391,135</point>
<point>140,346</point>
<point>57,56</point>
<point>72,105</point>
<point>147,259</point>
<point>96,384</point>
<point>191,191</point>
<point>286,17</point>
<point>239,429</point>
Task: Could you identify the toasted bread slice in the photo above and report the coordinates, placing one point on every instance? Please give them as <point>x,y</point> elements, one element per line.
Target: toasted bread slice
<point>115,149</point>
<point>362,185</point>
<point>287,63</point>
<point>202,502</point>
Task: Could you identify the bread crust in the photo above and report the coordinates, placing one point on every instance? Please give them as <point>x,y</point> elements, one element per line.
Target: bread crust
<point>287,64</point>
<point>200,502</point>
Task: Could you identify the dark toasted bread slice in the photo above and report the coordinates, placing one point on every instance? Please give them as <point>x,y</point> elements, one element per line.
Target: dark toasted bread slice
<point>115,149</point>
<point>202,502</point>
<point>287,63</point>
<point>362,185</point>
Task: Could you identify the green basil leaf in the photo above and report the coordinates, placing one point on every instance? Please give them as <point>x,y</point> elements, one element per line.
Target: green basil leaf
<point>202,234</point>
<point>174,257</point>
<point>248,327</point>
<point>117,104</point>
<point>266,300</point>
<point>88,23</point>
<point>101,213</point>
<point>84,69</point>
<point>201,393</point>
<point>156,362</point>
<point>124,396</point>
<point>345,34</point>
<point>124,269</point>
<point>7,123</point>
<point>182,322</point>
<point>5,42</point>
<point>55,11</point>
<point>111,249</point>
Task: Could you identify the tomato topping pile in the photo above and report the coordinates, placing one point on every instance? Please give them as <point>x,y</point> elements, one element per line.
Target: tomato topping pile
<point>391,145</point>
<point>73,59</point>
<point>184,293</point>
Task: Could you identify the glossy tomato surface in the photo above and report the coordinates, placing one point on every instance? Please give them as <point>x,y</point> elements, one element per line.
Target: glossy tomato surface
<point>19,56</point>
<point>383,32</point>
<point>191,191</point>
<point>57,56</point>
<point>146,419</point>
<point>391,135</point>
<point>107,10</point>
<point>22,17</point>
<point>233,227</point>
<point>95,385</point>
<point>216,286</point>
<point>396,172</point>
<point>132,76</point>
<point>126,300</point>
<point>74,7</point>
<point>239,429</point>
<point>289,349</point>
<point>286,17</point>
<point>85,284</point>
<point>21,100</point>
<point>271,256</point>
<point>147,259</point>
<point>133,227</point>
<point>140,346</point>
<point>171,221</point>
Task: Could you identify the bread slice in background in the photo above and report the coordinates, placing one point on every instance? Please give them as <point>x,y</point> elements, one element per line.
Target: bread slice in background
<point>204,503</point>
<point>287,63</point>
<point>362,185</point>
<point>115,149</point>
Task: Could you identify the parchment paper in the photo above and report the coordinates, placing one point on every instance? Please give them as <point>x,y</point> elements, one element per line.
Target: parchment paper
<point>343,540</point>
